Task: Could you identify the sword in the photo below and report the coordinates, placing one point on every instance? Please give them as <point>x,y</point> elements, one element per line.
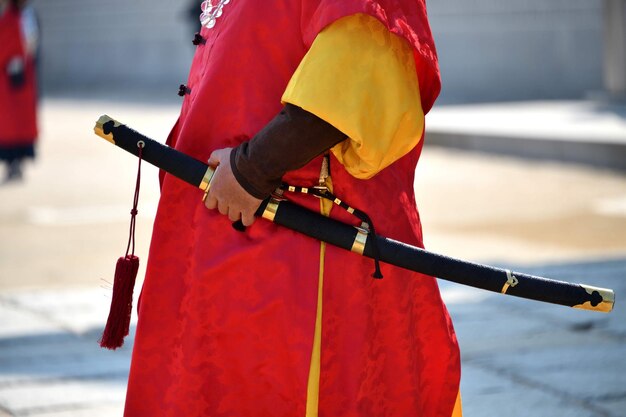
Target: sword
<point>359,240</point>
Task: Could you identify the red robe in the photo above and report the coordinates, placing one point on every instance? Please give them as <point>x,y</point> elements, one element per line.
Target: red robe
<point>18,127</point>
<point>227,319</point>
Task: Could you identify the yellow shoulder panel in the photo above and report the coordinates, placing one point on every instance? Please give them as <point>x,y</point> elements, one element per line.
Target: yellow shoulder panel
<point>361,78</point>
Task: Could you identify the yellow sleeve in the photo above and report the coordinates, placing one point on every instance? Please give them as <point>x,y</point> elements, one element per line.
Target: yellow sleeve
<point>361,78</point>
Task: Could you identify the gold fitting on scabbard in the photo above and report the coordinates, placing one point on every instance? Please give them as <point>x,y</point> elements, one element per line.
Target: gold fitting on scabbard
<point>99,128</point>
<point>358,246</point>
<point>511,281</point>
<point>604,306</point>
<point>205,184</point>
<point>271,209</point>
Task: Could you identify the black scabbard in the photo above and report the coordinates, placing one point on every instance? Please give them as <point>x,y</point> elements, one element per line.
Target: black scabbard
<point>358,240</point>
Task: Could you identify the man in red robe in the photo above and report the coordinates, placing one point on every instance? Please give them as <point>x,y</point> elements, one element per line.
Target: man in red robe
<point>269,322</point>
<point>18,127</point>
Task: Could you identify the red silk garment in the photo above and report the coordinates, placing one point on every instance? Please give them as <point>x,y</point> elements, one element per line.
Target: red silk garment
<point>18,125</point>
<point>227,319</point>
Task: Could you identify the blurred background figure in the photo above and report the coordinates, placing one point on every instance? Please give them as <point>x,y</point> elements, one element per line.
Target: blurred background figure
<point>19,37</point>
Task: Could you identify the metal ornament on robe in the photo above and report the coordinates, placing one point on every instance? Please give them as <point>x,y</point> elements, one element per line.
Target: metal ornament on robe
<point>356,239</point>
<point>211,12</point>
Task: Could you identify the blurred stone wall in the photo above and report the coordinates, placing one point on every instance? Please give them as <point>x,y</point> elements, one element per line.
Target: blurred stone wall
<point>489,49</point>
<point>518,49</point>
<point>114,44</point>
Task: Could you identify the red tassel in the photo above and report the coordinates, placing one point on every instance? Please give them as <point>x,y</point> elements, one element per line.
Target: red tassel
<point>118,323</point>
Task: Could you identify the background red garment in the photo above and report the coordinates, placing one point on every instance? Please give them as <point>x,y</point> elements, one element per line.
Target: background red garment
<point>18,126</point>
<point>227,319</point>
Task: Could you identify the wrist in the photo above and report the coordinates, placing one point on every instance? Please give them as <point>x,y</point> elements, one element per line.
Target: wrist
<point>250,175</point>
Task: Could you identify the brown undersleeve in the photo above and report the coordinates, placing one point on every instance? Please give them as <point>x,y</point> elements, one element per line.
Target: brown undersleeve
<point>288,142</point>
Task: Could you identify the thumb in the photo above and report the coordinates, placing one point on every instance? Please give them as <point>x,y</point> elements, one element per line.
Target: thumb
<point>217,156</point>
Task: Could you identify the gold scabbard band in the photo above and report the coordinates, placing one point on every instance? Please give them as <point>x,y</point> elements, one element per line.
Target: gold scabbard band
<point>358,246</point>
<point>511,281</point>
<point>270,210</point>
<point>206,180</point>
<point>205,184</point>
<point>605,306</point>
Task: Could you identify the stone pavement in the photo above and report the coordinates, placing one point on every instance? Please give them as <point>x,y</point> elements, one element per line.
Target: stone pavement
<point>62,230</point>
<point>520,358</point>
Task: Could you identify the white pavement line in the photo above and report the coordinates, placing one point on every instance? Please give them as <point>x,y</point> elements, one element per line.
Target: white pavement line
<point>62,396</point>
<point>91,411</point>
<point>558,120</point>
<point>464,295</point>
<point>75,310</point>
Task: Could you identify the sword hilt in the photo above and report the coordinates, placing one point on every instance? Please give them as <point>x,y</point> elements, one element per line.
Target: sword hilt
<point>180,165</point>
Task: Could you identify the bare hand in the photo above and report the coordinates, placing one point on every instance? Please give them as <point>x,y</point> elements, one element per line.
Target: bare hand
<point>226,194</point>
